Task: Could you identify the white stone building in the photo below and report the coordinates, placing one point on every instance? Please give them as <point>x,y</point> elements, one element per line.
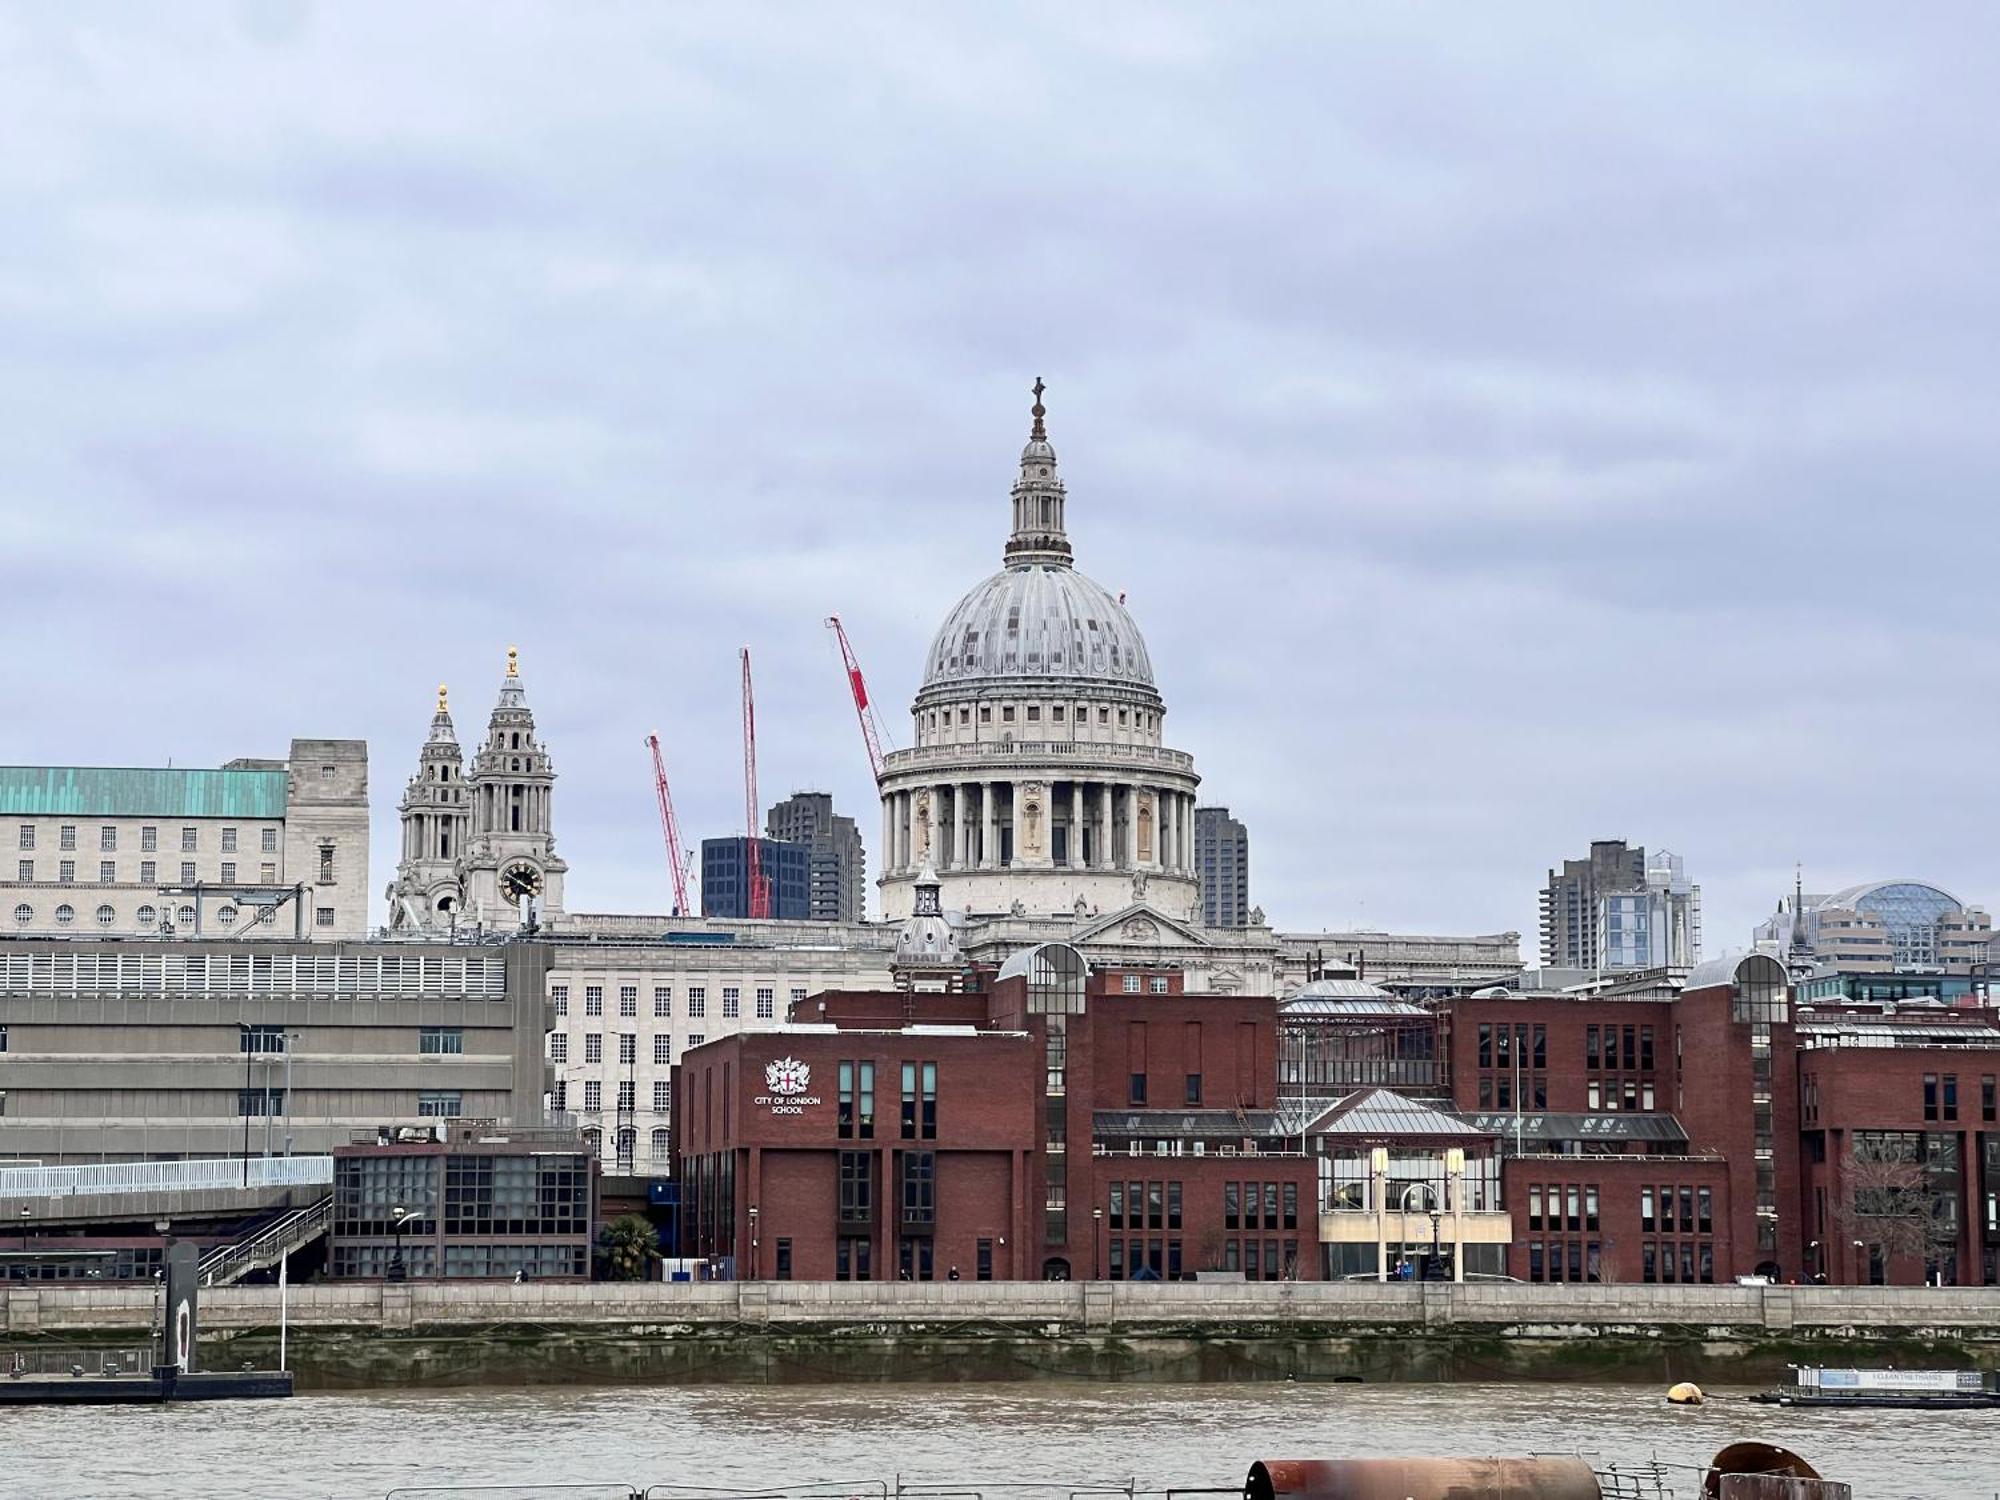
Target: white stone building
<point>271,848</point>
<point>479,850</point>
<point>1040,782</point>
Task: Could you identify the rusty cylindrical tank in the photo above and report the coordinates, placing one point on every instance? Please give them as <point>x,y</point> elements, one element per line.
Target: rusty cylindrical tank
<point>1421,1479</point>
<point>1754,1458</point>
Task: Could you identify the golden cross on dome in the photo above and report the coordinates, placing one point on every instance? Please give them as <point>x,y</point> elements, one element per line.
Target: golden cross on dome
<point>513,662</point>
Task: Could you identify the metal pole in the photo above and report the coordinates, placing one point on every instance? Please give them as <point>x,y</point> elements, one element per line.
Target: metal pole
<point>290,1037</point>
<point>267,1106</point>
<point>243,1040</point>
<point>284,1310</point>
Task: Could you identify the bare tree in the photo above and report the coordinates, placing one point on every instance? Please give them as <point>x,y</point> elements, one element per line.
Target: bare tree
<point>1890,1201</point>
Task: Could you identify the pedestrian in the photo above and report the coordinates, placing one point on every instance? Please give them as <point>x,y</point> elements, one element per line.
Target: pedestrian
<point>952,1274</point>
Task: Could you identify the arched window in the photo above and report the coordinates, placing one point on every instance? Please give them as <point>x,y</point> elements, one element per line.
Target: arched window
<point>24,914</point>
<point>105,915</point>
<point>65,914</point>
<point>227,915</point>
<point>593,1138</point>
<point>185,916</point>
<point>659,1143</point>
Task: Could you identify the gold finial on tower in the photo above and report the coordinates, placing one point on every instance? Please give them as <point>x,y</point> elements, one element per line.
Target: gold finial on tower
<point>444,695</point>
<point>1040,433</point>
<point>513,662</point>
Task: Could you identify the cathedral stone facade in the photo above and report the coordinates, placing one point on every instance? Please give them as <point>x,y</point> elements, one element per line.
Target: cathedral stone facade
<point>1040,782</point>
<point>480,848</point>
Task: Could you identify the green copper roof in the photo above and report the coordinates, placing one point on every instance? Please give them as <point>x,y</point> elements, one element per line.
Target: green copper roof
<point>111,792</point>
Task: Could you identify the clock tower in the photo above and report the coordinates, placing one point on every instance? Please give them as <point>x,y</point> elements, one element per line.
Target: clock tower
<point>509,868</point>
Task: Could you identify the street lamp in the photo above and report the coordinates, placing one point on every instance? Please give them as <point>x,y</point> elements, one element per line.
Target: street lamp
<point>753,1242</point>
<point>1096,1235</point>
<point>397,1271</point>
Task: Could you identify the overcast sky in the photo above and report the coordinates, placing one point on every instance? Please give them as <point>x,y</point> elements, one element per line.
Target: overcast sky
<point>1511,425</point>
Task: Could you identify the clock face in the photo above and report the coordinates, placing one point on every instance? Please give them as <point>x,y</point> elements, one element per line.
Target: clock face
<point>521,882</point>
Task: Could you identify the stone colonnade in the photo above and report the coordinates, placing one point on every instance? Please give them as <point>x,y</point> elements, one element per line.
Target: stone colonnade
<point>999,824</point>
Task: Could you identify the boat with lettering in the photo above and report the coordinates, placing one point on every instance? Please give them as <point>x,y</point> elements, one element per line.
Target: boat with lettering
<point>1816,1385</point>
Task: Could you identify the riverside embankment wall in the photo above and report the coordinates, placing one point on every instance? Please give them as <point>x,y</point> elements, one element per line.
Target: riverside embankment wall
<point>368,1333</point>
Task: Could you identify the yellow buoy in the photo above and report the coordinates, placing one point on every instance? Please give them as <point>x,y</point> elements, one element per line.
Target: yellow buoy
<point>1684,1393</point>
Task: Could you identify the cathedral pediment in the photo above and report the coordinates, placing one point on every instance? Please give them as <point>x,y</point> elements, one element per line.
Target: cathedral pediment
<point>1141,925</point>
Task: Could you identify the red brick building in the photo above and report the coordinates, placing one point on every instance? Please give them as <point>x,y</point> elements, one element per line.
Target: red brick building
<point>1053,1122</point>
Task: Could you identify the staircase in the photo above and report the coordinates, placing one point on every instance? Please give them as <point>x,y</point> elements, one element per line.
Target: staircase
<point>284,1235</point>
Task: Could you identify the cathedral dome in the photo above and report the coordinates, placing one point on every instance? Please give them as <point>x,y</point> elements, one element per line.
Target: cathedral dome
<point>1038,621</point>
<point>1038,618</point>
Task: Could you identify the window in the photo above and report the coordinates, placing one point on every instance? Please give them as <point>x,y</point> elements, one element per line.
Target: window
<point>697,1002</point>
<point>188,845</point>
<point>930,1102</point>
<point>107,872</point>
<point>1116,1215</point>
<point>187,872</point>
<point>628,999</point>
<point>593,999</point>
<point>798,996</point>
<point>663,1049</point>
<point>326,864</point>
<point>558,1047</point>
<point>560,994</point>
<point>857,1196</point>
<point>695,1038</point>
<point>439,1104</point>
<point>1291,1220</point>
<point>663,1000</point>
<point>229,872</point>
<point>66,871</point>
<point>767,1003</point>
<point>106,916</point>
<point>593,1047</point>
<point>627,1095</point>
<point>260,1102</point>
<point>909,1115</point>
<point>1138,1088</point>
<point>1194,1088</point>
<point>107,839</point>
<point>24,914</point>
<point>268,873</point>
<point>27,870</point>
<point>1157,985</point>
<point>228,840</point>
<point>67,838</point>
<point>147,916</point>
<point>784,1272</point>
<point>441,1041</point>
<point>660,1146</point>
<point>663,1098</point>
<point>1231,1206</point>
<point>1930,1096</point>
<point>149,840</point>
<point>559,1100</point>
<point>593,1095</point>
<point>732,1002</point>
<point>65,914</point>
<point>919,1188</point>
<point>260,1039</point>
<point>1131,984</point>
<point>27,835</point>
<point>323,916</point>
<point>1987,1100</point>
<point>628,1047</point>
<point>267,840</point>
<point>1174,1204</point>
<point>149,873</point>
<point>1486,1043</point>
<point>1951,1096</point>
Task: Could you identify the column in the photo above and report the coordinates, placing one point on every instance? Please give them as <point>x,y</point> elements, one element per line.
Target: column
<point>1106,855</point>
<point>1131,827</point>
<point>987,838</point>
<point>1014,820</point>
<point>1076,825</point>
<point>885,852</point>
<point>1165,799</point>
<point>957,824</point>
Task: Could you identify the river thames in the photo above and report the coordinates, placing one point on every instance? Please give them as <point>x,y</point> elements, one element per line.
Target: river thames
<point>369,1444</point>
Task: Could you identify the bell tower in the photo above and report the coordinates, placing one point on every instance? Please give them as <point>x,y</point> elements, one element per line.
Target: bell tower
<point>425,896</point>
<point>510,871</point>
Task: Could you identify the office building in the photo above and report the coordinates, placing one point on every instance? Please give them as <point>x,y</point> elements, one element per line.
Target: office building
<point>786,870</point>
<point>1617,909</point>
<point>1222,865</point>
<point>274,847</point>
<point>837,878</point>
<point>1882,927</point>
<point>123,1051</point>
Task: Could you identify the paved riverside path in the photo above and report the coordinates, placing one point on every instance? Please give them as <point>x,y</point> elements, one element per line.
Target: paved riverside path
<point>1093,1307</point>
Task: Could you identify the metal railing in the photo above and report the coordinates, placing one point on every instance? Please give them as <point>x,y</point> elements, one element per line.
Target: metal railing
<point>225,1263</point>
<point>166,1176</point>
<point>1093,751</point>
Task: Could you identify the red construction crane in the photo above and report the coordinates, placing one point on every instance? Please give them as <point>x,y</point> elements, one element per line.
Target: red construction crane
<point>760,894</point>
<point>671,829</point>
<point>871,732</point>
